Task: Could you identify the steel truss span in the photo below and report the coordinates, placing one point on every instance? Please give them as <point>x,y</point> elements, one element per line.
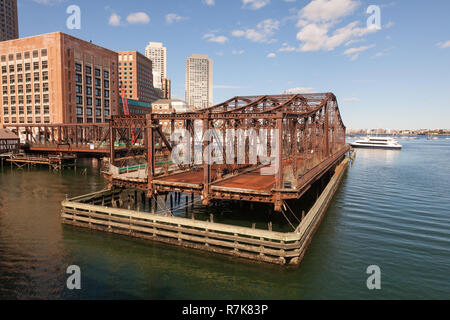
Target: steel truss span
<point>257,148</point>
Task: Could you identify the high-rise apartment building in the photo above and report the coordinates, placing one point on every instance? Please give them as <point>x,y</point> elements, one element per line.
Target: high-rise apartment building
<point>199,81</point>
<point>57,78</point>
<point>135,75</point>
<point>158,54</point>
<point>9,25</point>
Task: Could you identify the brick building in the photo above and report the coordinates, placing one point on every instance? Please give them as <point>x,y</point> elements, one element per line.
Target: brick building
<point>136,76</point>
<point>57,78</point>
<point>9,22</point>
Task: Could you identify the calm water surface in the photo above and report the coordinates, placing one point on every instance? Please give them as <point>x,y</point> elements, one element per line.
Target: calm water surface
<point>392,210</point>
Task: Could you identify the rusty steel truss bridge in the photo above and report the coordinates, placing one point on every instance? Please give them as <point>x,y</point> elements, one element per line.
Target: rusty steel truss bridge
<point>305,139</point>
<point>302,135</point>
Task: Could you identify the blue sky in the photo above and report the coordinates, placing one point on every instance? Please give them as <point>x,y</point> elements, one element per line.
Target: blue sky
<point>395,77</point>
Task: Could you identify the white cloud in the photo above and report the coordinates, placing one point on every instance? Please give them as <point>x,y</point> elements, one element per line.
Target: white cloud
<point>358,50</point>
<point>382,53</point>
<point>255,4</point>
<point>326,11</point>
<point>388,25</point>
<point>444,45</point>
<point>315,37</point>
<point>173,17</point>
<point>262,33</point>
<point>211,37</point>
<point>138,18</point>
<point>209,2</point>
<point>317,22</point>
<point>286,48</point>
<point>354,99</point>
<point>49,2</point>
<point>271,55</point>
<point>238,52</point>
<point>299,90</point>
<point>114,20</point>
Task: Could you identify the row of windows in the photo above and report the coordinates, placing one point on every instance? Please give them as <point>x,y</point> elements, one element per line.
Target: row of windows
<point>37,88</point>
<point>98,81</point>
<point>26,55</point>
<point>88,111</point>
<point>19,68</point>
<point>29,120</point>
<point>37,99</point>
<point>98,102</point>
<point>88,71</point>
<point>21,110</point>
<point>36,78</point>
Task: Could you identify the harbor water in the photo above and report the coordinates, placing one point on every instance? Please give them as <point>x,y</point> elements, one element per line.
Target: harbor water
<point>392,210</point>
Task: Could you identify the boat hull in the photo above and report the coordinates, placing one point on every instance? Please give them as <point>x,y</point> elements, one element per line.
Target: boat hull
<point>376,147</point>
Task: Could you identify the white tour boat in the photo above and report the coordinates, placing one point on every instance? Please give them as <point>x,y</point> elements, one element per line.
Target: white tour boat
<point>377,143</point>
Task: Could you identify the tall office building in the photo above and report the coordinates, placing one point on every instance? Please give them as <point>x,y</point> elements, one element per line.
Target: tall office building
<point>158,54</point>
<point>199,81</point>
<point>135,74</point>
<point>55,79</point>
<point>9,25</point>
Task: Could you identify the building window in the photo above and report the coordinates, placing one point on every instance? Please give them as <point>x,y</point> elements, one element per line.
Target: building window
<point>79,89</point>
<point>89,91</point>
<point>35,65</point>
<point>97,72</point>
<point>89,101</point>
<point>106,93</point>
<point>78,78</point>
<point>44,64</point>
<point>77,67</point>
<point>106,84</point>
<point>98,82</point>
<point>89,112</point>
<point>98,102</point>
<point>79,111</point>
<point>79,100</point>
<point>106,74</point>
<point>79,120</point>
<point>98,92</point>
<point>88,80</point>
<point>88,70</point>
<point>106,103</point>
<point>106,113</point>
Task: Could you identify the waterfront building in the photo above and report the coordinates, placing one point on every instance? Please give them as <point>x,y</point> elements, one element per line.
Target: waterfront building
<point>136,107</point>
<point>169,106</point>
<point>199,81</point>
<point>157,53</point>
<point>136,76</point>
<point>9,142</point>
<point>57,78</point>
<point>9,22</point>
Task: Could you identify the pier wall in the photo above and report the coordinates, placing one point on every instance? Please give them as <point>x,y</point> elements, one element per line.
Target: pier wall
<point>99,211</point>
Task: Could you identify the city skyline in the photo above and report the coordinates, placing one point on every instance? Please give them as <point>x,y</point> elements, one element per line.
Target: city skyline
<point>384,78</point>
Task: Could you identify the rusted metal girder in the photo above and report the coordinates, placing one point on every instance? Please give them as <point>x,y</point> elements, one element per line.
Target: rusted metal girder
<point>311,139</point>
